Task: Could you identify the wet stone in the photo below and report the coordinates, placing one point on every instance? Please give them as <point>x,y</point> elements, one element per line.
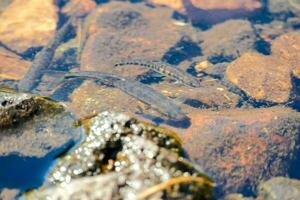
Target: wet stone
<point>247,146</point>
<point>136,152</point>
<point>85,100</point>
<point>79,8</point>
<point>12,66</point>
<point>279,188</point>
<point>210,94</point>
<point>25,24</point>
<point>121,31</point>
<point>34,126</point>
<point>287,49</point>
<point>237,197</point>
<point>228,40</point>
<point>261,77</point>
<point>269,31</point>
<point>177,5</point>
<point>4,4</point>
<point>9,194</point>
<point>207,12</point>
<point>284,6</point>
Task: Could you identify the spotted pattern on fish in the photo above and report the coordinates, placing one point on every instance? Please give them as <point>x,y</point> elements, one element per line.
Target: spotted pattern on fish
<point>166,69</point>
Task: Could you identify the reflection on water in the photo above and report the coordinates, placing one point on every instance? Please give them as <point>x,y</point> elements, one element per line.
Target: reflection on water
<point>24,172</point>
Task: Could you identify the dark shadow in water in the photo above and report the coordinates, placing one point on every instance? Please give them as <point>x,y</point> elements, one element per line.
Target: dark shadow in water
<point>195,103</point>
<point>4,46</point>
<point>264,16</point>
<point>180,17</point>
<point>262,47</point>
<point>183,50</point>
<point>182,123</point>
<point>294,166</point>
<point>23,172</point>
<point>220,59</point>
<point>150,77</point>
<point>295,97</point>
<point>9,83</point>
<point>61,3</point>
<point>66,62</point>
<point>31,52</point>
<point>63,92</point>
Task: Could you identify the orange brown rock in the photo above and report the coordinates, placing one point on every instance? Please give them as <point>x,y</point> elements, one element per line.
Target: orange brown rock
<point>287,49</point>
<point>79,8</point>
<point>26,24</point>
<point>120,31</point>
<point>228,4</point>
<point>215,11</point>
<point>246,145</point>
<point>12,66</point>
<point>175,4</point>
<point>261,77</point>
<point>229,39</point>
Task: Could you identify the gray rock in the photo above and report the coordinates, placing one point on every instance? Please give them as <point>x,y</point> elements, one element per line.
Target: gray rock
<point>284,6</point>
<point>279,188</point>
<point>34,126</point>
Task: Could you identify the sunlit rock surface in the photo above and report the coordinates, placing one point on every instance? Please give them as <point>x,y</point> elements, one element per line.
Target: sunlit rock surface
<point>79,8</point>
<point>229,39</point>
<point>25,24</point>
<point>261,77</point>
<point>12,66</point>
<point>239,148</point>
<point>287,49</point>
<point>4,4</point>
<point>119,31</point>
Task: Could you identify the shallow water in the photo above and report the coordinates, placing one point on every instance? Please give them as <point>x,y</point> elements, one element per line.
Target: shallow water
<point>201,39</point>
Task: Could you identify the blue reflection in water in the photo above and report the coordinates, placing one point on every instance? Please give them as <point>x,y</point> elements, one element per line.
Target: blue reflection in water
<point>24,172</point>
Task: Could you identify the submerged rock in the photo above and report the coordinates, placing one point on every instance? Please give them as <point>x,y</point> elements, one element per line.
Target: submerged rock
<point>215,11</point>
<point>287,49</point>
<point>9,194</point>
<point>25,24</point>
<point>284,6</point>
<point>228,40</point>
<point>273,80</point>
<point>34,126</point>
<point>207,12</point>
<point>12,66</point>
<point>120,31</point>
<point>141,160</point>
<point>239,148</point>
<point>79,8</point>
<point>279,188</point>
<point>261,77</point>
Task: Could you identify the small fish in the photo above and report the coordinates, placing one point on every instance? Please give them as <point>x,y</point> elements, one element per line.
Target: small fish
<point>42,60</point>
<point>135,89</point>
<point>166,69</point>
